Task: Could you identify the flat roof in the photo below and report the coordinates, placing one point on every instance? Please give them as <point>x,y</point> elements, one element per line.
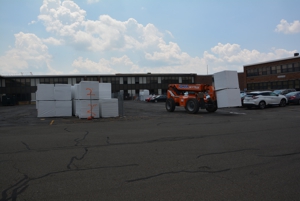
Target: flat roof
<point>103,75</point>
<point>294,57</point>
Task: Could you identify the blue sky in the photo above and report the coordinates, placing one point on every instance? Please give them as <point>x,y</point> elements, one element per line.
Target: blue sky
<point>158,36</point>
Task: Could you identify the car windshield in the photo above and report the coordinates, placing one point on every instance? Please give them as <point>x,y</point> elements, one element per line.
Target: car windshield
<point>277,91</point>
<point>292,93</point>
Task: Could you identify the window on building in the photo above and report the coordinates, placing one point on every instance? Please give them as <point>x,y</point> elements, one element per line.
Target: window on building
<point>290,68</point>
<point>265,70</point>
<point>278,69</point>
<point>296,67</point>
<point>291,84</point>
<point>284,68</point>
<point>297,84</point>
<point>273,70</point>
<point>137,80</point>
<point>125,80</point>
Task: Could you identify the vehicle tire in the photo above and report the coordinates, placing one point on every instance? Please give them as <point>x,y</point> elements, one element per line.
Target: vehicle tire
<point>282,103</point>
<point>211,107</point>
<point>170,105</point>
<point>192,106</point>
<point>262,105</point>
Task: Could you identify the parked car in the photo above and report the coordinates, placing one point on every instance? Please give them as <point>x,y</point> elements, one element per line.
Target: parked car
<point>159,98</point>
<point>149,98</point>
<point>293,97</point>
<point>283,91</point>
<point>242,94</point>
<point>261,99</point>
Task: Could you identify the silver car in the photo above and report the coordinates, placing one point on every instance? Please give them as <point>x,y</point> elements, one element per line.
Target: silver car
<point>261,99</point>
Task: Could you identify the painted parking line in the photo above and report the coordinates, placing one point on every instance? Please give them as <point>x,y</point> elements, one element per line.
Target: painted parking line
<point>237,113</point>
<point>51,122</point>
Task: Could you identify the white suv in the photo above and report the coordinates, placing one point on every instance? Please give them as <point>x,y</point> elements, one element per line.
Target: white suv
<point>263,98</point>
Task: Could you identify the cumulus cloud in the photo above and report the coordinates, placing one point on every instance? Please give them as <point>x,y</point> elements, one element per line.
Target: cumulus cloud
<point>92,1</point>
<point>288,28</point>
<point>28,55</point>
<point>52,41</point>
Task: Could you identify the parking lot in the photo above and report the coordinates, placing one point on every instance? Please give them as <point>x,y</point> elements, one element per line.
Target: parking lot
<point>151,154</point>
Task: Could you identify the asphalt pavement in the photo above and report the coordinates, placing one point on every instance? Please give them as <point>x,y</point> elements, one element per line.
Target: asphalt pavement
<point>151,154</point>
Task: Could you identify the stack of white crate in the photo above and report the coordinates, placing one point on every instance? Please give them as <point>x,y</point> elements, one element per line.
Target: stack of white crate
<point>108,106</point>
<point>144,94</point>
<point>86,99</point>
<point>53,100</point>
<point>227,89</point>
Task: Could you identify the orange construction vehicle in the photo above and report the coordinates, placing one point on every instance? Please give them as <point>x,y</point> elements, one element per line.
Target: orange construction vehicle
<point>192,97</point>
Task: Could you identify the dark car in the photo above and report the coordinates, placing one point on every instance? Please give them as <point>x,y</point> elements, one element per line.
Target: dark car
<point>159,98</point>
<point>293,97</point>
<point>283,91</point>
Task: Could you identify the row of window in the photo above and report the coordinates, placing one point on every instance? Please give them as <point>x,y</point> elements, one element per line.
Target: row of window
<point>290,84</point>
<point>269,70</point>
<point>14,82</point>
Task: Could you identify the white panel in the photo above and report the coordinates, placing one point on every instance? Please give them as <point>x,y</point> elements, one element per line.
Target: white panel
<point>63,108</point>
<point>3,83</point>
<point>228,98</point>
<point>88,90</point>
<point>121,80</point>
<point>128,80</point>
<point>87,108</point>
<point>45,92</point>
<point>109,108</point>
<point>73,81</point>
<point>69,80</point>
<point>62,92</point>
<point>159,80</point>
<point>46,109</point>
<point>226,80</point>
<point>144,80</point>
<point>104,90</point>
<point>180,79</point>
<point>141,80</point>
<point>37,81</point>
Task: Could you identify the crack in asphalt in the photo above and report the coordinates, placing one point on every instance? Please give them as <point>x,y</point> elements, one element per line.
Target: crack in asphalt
<point>75,158</point>
<point>226,152</point>
<point>26,145</point>
<point>177,172</point>
<point>79,140</point>
<point>21,185</point>
<point>281,155</point>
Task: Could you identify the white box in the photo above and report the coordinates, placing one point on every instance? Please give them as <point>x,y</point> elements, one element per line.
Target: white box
<point>226,80</point>
<point>87,108</point>
<point>228,98</point>
<point>46,109</point>
<point>109,108</point>
<point>63,108</point>
<point>45,92</point>
<point>62,92</point>
<point>104,90</point>
<point>88,90</point>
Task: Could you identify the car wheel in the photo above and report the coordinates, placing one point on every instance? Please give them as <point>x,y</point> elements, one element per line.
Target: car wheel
<point>282,103</point>
<point>192,106</point>
<point>262,105</point>
<point>170,105</point>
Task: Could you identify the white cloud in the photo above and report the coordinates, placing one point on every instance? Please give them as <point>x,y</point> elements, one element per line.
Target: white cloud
<point>104,66</point>
<point>29,53</point>
<point>92,1</point>
<point>52,41</point>
<point>288,28</point>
